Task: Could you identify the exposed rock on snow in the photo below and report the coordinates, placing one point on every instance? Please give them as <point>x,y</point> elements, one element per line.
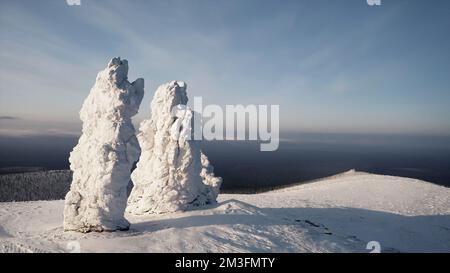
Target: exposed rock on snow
<point>102,160</point>
<point>172,173</point>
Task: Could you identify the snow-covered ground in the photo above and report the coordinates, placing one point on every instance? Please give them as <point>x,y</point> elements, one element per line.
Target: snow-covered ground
<point>338,214</point>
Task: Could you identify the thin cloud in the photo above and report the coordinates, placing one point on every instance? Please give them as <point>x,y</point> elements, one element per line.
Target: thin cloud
<point>29,132</point>
<point>9,118</point>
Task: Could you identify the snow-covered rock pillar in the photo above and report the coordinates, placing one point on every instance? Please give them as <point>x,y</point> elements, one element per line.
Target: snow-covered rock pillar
<point>102,160</point>
<point>172,173</point>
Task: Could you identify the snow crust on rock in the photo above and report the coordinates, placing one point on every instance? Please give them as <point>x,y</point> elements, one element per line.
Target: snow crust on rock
<point>172,173</point>
<point>102,160</point>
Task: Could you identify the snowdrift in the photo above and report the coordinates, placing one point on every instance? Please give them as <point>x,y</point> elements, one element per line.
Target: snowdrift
<point>338,214</point>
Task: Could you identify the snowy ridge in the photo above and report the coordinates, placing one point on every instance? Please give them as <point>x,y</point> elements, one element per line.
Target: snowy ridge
<point>293,185</point>
<point>340,214</point>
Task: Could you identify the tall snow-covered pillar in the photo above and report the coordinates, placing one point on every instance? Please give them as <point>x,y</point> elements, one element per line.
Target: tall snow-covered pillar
<point>106,151</point>
<point>172,173</point>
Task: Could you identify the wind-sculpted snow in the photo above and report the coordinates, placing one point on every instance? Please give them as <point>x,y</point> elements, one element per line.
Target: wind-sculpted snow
<point>337,214</point>
<point>172,173</point>
<point>102,160</point>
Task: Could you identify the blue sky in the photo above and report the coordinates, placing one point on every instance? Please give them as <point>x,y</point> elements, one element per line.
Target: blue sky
<point>332,66</point>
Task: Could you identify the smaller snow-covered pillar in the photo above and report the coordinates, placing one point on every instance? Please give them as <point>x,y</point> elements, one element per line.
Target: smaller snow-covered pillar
<point>172,173</point>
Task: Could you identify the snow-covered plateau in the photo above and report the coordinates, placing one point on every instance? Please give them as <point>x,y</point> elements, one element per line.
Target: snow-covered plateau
<point>336,214</point>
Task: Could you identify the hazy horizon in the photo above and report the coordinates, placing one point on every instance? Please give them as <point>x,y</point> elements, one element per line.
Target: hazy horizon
<point>245,168</point>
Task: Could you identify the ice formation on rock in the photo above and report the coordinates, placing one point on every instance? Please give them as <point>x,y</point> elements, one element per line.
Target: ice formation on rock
<point>172,173</point>
<point>102,160</point>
